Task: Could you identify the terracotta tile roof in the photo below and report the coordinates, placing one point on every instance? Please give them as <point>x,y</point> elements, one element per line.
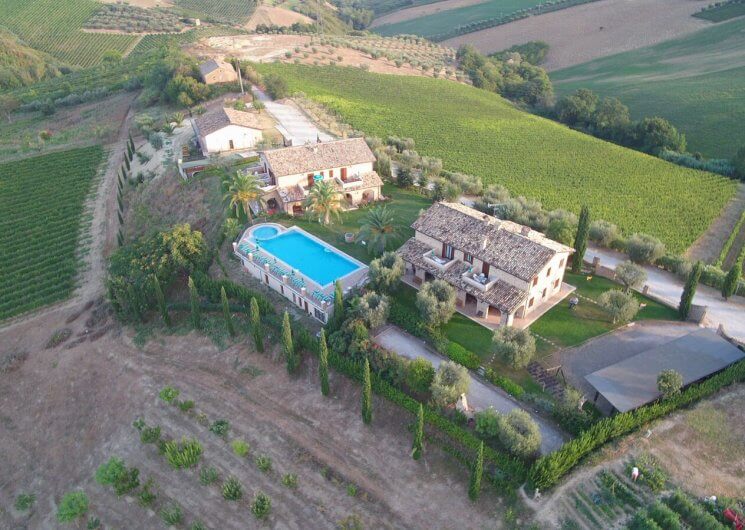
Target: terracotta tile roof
<point>370,179</point>
<point>501,294</point>
<point>508,246</point>
<point>318,157</point>
<point>215,119</point>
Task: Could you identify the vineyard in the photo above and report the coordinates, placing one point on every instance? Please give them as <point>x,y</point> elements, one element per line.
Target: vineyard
<point>56,29</point>
<point>151,42</point>
<point>42,200</point>
<point>230,11</point>
<point>477,132</point>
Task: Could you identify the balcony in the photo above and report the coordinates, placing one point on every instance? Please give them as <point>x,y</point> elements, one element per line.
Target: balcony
<point>478,280</point>
<point>351,181</point>
<point>442,263</point>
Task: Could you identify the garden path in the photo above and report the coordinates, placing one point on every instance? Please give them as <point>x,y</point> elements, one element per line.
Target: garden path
<point>480,395</point>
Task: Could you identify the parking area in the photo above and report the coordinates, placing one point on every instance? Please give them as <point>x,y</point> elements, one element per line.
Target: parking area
<point>614,347</point>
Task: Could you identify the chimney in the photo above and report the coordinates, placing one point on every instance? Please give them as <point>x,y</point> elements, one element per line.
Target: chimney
<point>525,230</point>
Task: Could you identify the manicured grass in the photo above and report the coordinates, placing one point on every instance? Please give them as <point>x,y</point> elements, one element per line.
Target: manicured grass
<point>55,27</point>
<point>405,204</point>
<point>696,81</point>
<point>41,200</point>
<point>478,132</point>
<point>444,21</point>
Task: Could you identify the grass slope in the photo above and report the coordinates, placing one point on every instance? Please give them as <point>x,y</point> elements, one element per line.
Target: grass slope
<point>55,27</point>
<point>722,12</point>
<point>696,81</point>
<point>444,21</point>
<point>478,132</point>
<point>42,201</point>
<point>21,65</point>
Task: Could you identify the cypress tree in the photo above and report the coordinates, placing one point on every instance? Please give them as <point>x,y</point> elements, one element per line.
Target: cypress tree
<point>226,312</point>
<point>733,276</point>
<point>196,316</point>
<point>416,450</point>
<point>323,363</point>
<point>160,297</point>
<point>131,143</point>
<point>338,306</point>
<point>119,216</point>
<point>126,163</point>
<point>474,485</point>
<point>120,237</point>
<point>287,346</point>
<point>129,151</point>
<point>134,302</point>
<point>366,394</point>
<point>580,239</point>
<point>689,291</point>
<point>119,201</point>
<point>256,325</point>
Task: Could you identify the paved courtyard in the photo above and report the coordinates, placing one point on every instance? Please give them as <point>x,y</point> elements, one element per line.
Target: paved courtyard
<point>480,395</point>
<point>614,347</point>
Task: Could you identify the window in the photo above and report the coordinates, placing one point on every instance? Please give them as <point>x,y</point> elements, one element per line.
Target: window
<point>344,174</point>
<point>320,315</point>
<point>282,289</point>
<point>230,142</point>
<point>556,283</point>
<point>548,272</point>
<point>266,279</point>
<point>468,257</point>
<point>485,269</point>
<point>530,302</point>
<point>331,173</point>
<point>544,294</point>
<point>561,263</point>
<point>535,281</point>
<point>448,252</point>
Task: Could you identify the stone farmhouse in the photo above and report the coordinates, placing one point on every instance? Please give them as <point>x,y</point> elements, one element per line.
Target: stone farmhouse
<point>503,273</point>
<point>217,71</point>
<point>224,129</point>
<point>290,172</point>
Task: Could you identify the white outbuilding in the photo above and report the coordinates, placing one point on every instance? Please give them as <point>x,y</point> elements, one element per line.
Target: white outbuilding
<point>225,129</point>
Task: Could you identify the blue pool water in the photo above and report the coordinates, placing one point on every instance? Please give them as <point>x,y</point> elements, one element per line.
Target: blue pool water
<point>317,262</point>
<point>264,232</point>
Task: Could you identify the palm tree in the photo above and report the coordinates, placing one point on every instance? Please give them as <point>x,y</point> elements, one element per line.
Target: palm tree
<point>242,190</point>
<point>379,227</point>
<point>323,200</point>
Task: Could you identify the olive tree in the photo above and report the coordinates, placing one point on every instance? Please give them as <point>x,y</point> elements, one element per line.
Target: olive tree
<point>516,347</point>
<point>620,306</point>
<point>603,233</point>
<point>519,433</point>
<point>385,272</point>
<point>436,302</point>
<point>450,381</point>
<point>631,275</point>
<point>643,248</point>
<point>373,309</point>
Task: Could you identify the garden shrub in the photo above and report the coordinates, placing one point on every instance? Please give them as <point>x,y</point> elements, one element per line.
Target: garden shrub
<point>643,248</point>
<point>264,463</point>
<point>183,454</point>
<point>261,505</point>
<point>460,355</point>
<point>169,394</point>
<point>669,383</point>
<point>232,489</point>
<point>450,381</point>
<point>487,422</point>
<point>505,383</point>
<point>208,475</point>
<point>24,501</point>
<point>419,375</point>
<point>641,521</point>
<point>550,468</point>
<point>290,480</point>
<point>72,506</point>
<point>115,473</point>
<point>220,427</point>
<point>664,516</point>
<point>186,406</point>
<point>147,496</point>
<point>240,447</point>
<point>519,433</point>
<point>150,435</point>
<point>172,514</point>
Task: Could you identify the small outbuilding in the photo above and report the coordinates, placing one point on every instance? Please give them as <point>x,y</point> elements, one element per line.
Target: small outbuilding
<point>217,71</point>
<point>631,383</point>
<point>225,129</point>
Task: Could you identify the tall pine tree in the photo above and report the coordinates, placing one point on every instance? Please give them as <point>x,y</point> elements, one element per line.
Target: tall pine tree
<point>689,291</point>
<point>580,239</point>
<point>729,286</point>
<point>323,363</point>
<point>366,394</point>
<point>161,299</point>
<point>196,314</point>
<point>474,485</point>
<point>226,312</point>
<point>416,450</point>
<point>256,325</point>
<point>288,348</point>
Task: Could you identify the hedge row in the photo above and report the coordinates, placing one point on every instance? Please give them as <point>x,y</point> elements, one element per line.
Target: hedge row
<point>460,355</point>
<point>548,469</point>
<point>505,383</point>
<point>730,241</point>
<point>210,289</point>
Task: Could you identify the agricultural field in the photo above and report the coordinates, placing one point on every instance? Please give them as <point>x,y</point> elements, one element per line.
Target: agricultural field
<point>444,21</point>
<point>230,11</point>
<point>132,19</point>
<point>725,11</point>
<point>697,82</point>
<point>151,42</point>
<point>478,132</point>
<point>42,200</point>
<point>43,25</point>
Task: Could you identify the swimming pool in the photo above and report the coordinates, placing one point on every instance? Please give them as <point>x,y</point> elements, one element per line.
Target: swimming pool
<point>264,232</point>
<point>322,264</point>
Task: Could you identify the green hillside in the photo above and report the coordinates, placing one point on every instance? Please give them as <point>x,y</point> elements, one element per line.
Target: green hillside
<point>54,27</point>
<point>697,82</point>
<point>444,21</point>
<point>478,132</point>
<point>21,65</point>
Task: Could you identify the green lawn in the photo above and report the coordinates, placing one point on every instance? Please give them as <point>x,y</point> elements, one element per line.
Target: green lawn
<point>405,204</point>
<point>478,132</point>
<point>696,81</point>
<point>444,21</point>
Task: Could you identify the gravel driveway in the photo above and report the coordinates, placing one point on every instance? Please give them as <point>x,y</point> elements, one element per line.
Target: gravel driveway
<point>480,395</point>
<point>297,124</point>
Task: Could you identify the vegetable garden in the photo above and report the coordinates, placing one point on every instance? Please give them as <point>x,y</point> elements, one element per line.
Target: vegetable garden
<point>45,25</point>
<point>477,132</point>
<point>42,200</point>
